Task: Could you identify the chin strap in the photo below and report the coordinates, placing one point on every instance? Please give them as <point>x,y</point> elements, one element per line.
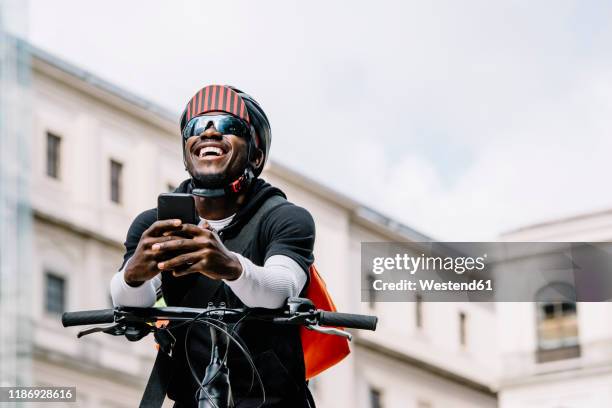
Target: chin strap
<point>233,188</point>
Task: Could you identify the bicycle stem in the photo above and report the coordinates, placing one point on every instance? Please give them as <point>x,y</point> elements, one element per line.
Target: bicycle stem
<point>216,390</point>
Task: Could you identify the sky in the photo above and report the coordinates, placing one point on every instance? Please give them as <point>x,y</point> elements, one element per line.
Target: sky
<point>462,120</point>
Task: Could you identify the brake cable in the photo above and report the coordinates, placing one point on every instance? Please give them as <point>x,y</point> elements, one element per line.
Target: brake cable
<point>232,336</point>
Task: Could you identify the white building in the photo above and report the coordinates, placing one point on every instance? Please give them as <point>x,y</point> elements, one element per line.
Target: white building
<point>557,355</point>
<point>100,155</point>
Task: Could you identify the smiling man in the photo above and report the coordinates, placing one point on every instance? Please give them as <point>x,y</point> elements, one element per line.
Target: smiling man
<point>251,248</point>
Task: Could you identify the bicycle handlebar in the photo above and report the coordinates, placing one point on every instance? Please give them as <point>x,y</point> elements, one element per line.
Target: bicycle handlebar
<point>87,317</point>
<point>282,316</point>
<point>347,320</point>
<point>214,389</point>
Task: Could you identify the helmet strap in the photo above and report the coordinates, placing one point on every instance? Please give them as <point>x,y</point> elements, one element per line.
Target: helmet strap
<point>234,187</point>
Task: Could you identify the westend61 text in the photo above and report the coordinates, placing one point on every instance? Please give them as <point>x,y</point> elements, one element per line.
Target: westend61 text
<point>432,285</point>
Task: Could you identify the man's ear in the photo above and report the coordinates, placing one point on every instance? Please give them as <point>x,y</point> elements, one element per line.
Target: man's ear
<point>257,158</point>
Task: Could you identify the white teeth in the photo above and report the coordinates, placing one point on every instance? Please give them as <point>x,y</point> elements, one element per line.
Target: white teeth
<point>210,149</point>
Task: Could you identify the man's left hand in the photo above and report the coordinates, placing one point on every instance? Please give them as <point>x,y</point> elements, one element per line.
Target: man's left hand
<point>202,253</point>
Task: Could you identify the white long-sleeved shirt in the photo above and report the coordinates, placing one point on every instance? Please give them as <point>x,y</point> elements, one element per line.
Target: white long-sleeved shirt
<point>258,286</point>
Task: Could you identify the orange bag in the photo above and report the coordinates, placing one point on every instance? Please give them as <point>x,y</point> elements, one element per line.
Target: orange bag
<point>321,351</point>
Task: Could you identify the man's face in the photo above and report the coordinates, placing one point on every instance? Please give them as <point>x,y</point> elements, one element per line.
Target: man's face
<point>214,159</point>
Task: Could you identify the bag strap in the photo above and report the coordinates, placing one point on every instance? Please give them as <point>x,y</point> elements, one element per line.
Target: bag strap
<point>159,379</point>
<point>240,242</point>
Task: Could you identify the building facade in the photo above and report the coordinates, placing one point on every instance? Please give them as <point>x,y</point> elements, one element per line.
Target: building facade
<point>557,355</point>
<point>100,155</point>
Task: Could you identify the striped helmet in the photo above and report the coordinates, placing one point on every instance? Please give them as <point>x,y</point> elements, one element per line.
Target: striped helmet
<point>225,98</point>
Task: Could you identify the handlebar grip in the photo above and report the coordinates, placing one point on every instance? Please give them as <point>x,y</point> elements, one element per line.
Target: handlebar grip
<point>348,320</point>
<point>86,317</point>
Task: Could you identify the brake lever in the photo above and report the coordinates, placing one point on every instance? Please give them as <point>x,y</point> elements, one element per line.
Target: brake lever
<point>300,318</point>
<point>331,330</point>
<point>115,330</point>
<point>131,332</point>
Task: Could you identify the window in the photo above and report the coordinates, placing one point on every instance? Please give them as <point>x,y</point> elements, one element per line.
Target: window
<point>116,169</point>
<point>53,155</point>
<point>557,323</point>
<point>418,310</point>
<point>375,398</point>
<point>370,290</point>
<point>462,328</point>
<point>557,331</point>
<point>55,296</point>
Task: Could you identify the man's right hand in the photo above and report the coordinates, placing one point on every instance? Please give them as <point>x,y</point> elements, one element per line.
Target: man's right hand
<point>142,266</point>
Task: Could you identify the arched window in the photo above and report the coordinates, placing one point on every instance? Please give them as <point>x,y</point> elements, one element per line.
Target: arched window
<point>557,325</point>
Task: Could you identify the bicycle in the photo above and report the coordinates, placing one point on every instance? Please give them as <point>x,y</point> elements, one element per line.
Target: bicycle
<point>214,390</point>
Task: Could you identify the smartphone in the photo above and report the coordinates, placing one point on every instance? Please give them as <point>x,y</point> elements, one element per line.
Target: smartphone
<point>177,206</point>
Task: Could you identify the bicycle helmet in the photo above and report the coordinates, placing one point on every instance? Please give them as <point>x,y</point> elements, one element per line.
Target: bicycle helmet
<point>225,98</point>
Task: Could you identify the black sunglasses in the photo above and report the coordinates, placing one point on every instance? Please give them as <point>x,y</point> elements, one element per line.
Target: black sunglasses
<point>224,124</point>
